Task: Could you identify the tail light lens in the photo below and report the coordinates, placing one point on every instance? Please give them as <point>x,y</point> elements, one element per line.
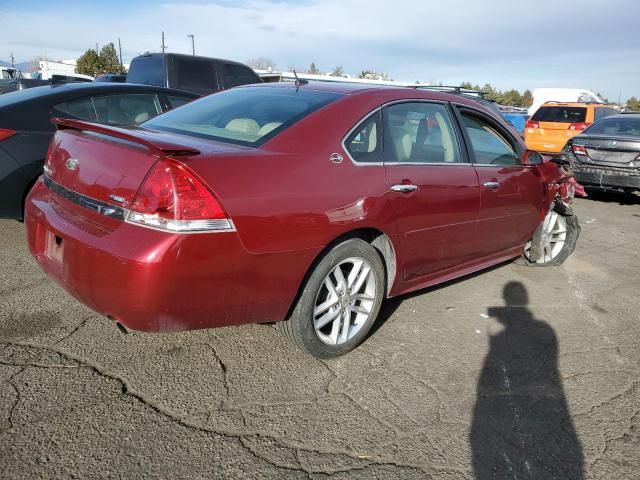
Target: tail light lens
<point>532,124</point>
<point>579,150</point>
<point>173,198</point>
<point>6,133</point>
<point>579,127</point>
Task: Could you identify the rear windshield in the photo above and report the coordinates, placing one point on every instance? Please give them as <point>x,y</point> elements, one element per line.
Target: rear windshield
<point>147,70</point>
<point>625,126</point>
<point>560,114</point>
<point>245,116</point>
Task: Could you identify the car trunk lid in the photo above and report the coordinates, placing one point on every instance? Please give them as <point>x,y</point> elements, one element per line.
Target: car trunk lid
<point>609,151</point>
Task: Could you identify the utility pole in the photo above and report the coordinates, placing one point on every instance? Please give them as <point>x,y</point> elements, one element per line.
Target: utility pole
<point>97,51</point>
<point>164,47</point>
<point>193,44</point>
<point>120,50</point>
<point>12,61</point>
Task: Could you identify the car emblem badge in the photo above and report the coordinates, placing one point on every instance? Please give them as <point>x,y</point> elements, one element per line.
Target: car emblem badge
<point>611,143</point>
<point>335,158</point>
<point>72,164</point>
<point>116,198</point>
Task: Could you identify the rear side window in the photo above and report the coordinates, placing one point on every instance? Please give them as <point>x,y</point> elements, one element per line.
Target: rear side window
<point>364,144</point>
<point>147,70</point>
<point>560,114</point>
<point>235,75</point>
<point>419,133</point>
<point>490,147</point>
<point>602,112</point>
<point>193,74</point>
<point>245,116</point>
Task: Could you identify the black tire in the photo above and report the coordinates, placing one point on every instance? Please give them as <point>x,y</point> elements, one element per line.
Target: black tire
<point>299,328</point>
<point>573,232</point>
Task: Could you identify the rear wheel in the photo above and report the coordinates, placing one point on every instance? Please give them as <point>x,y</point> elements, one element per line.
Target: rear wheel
<point>556,238</point>
<point>340,301</point>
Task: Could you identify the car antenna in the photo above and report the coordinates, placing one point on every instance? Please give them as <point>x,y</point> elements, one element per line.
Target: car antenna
<point>298,81</point>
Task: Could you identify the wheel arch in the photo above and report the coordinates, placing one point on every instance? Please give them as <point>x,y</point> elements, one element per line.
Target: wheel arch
<point>373,236</point>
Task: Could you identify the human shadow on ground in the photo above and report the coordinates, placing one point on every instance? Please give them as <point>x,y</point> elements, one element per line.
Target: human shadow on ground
<point>521,426</point>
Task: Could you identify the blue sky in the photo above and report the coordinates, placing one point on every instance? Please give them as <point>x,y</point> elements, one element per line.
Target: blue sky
<point>508,43</point>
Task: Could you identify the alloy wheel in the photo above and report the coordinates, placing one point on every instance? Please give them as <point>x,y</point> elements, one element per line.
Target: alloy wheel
<point>554,236</point>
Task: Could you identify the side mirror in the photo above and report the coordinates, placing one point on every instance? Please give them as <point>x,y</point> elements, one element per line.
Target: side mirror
<point>532,158</point>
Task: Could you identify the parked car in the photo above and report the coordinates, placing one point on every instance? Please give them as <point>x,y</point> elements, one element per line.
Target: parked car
<point>607,154</point>
<point>26,128</point>
<point>201,75</point>
<point>278,202</point>
<point>544,95</point>
<point>555,123</point>
<point>111,77</point>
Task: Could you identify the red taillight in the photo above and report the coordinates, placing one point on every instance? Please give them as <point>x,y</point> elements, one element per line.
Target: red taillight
<point>579,150</point>
<point>173,198</point>
<point>532,124</point>
<point>6,133</point>
<point>579,126</point>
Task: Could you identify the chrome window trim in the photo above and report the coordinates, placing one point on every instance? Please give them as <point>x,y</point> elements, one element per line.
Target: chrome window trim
<point>393,102</point>
<point>121,213</point>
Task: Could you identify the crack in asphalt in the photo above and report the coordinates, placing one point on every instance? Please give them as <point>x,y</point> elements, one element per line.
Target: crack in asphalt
<point>127,389</point>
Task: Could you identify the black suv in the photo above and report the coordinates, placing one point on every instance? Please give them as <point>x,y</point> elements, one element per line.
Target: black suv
<point>201,75</point>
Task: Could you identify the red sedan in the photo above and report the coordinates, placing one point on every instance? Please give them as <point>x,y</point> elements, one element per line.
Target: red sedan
<point>305,205</point>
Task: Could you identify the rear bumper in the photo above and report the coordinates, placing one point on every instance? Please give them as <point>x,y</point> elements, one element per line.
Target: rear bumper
<point>157,281</point>
<point>606,177</point>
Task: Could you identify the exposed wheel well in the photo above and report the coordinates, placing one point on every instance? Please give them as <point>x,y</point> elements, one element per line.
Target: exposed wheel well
<point>378,240</point>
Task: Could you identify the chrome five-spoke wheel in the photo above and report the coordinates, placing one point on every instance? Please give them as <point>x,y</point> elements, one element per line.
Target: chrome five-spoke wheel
<point>345,301</point>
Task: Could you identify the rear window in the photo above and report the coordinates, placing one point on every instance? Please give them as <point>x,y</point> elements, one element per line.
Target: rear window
<point>602,112</point>
<point>193,74</point>
<point>147,71</point>
<point>245,116</point>
<point>625,126</point>
<point>560,114</point>
<point>235,75</point>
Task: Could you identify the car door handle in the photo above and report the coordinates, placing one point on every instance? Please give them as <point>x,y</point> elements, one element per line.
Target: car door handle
<point>491,184</point>
<point>401,187</point>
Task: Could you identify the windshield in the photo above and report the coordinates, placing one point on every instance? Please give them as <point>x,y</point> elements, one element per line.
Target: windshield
<point>246,116</point>
<point>560,114</point>
<point>624,126</point>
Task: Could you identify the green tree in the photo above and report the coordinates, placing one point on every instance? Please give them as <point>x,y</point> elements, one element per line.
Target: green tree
<point>89,63</point>
<point>366,74</point>
<point>109,61</point>
<point>313,70</point>
<point>527,98</point>
<point>633,104</point>
<point>338,71</point>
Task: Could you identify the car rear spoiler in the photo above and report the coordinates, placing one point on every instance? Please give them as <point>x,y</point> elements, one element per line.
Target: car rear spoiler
<point>147,139</point>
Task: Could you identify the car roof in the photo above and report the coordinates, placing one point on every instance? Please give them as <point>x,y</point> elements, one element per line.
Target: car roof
<point>186,56</point>
<point>74,89</point>
<point>551,103</point>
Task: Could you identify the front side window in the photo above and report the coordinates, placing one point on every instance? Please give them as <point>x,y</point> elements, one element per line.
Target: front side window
<point>419,133</point>
<point>177,101</point>
<point>80,108</point>
<point>194,74</point>
<point>489,146</point>
<point>126,108</point>
<point>364,144</point>
<point>246,116</point>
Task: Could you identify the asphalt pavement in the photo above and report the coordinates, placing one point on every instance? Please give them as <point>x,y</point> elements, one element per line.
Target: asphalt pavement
<point>516,372</point>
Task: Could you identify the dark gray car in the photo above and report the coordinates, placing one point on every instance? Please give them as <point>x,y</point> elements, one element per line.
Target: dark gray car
<point>26,128</point>
<point>607,154</point>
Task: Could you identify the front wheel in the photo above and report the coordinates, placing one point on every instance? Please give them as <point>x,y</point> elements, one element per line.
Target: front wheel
<point>340,301</point>
<point>556,239</point>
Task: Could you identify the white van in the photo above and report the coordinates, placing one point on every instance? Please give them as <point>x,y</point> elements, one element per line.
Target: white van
<point>542,95</point>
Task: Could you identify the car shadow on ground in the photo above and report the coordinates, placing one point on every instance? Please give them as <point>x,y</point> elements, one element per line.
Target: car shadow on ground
<point>521,425</point>
<point>613,196</point>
